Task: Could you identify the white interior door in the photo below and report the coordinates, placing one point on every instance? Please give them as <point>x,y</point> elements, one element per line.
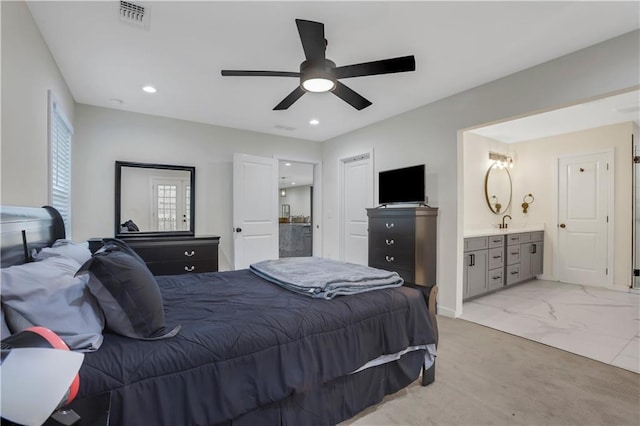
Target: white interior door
<point>583,215</point>
<point>255,209</point>
<point>357,196</point>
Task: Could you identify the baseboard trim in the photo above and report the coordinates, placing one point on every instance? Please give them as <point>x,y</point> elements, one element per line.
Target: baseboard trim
<point>447,312</point>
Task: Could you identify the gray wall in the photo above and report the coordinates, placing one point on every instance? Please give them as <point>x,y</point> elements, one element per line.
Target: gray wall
<point>105,135</point>
<point>432,135</point>
<point>28,72</point>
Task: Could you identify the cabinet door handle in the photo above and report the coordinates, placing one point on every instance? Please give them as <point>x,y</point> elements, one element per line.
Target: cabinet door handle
<point>472,259</point>
<point>189,254</point>
<point>389,258</point>
<point>534,249</point>
<point>189,268</point>
<point>389,225</point>
<point>389,242</point>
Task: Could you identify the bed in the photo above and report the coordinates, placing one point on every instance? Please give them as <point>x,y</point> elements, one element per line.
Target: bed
<point>248,352</point>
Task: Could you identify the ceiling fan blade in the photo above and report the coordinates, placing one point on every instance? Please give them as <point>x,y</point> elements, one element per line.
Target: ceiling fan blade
<point>240,73</point>
<point>350,97</point>
<point>312,38</point>
<point>290,99</point>
<point>385,66</point>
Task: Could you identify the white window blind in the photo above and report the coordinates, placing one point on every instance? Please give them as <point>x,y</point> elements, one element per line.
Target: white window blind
<point>60,135</point>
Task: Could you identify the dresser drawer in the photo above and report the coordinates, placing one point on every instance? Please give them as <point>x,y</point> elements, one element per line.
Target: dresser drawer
<point>496,241</point>
<point>406,274</point>
<point>513,274</point>
<point>513,239</point>
<point>183,267</point>
<point>496,257</point>
<point>495,278</point>
<point>391,257</point>
<point>513,255</point>
<point>175,252</point>
<point>392,242</point>
<point>394,227</point>
<point>477,243</point>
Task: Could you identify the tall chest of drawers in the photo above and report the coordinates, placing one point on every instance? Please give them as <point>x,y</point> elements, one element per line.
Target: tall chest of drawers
<point>404,240</point>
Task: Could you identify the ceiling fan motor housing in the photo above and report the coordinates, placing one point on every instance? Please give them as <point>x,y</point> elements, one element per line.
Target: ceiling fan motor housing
<point>322,69</point>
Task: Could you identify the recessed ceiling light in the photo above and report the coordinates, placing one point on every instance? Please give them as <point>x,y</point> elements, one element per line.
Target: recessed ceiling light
<point>287,164</point>
<point>314,122</point>
<point>149,89</point>
<point>293,183</point>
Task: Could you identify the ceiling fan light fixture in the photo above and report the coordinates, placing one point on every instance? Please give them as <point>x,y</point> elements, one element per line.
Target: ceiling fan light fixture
<point>318,85</point>
<point>318,76</point>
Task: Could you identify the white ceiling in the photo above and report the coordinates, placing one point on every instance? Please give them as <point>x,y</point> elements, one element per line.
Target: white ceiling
<point>602,112</point>
<point>295,174</point>
<point>457,46</point>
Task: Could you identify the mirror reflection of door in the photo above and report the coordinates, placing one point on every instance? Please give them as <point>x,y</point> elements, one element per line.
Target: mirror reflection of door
<point>171,199</point>
<point>295,230</point>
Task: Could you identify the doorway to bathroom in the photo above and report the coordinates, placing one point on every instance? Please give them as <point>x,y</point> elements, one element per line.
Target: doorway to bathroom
<point>596,319</point>
<point>296,221</point>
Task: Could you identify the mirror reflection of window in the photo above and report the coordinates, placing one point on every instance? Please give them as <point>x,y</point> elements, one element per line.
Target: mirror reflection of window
<point>171,198</point>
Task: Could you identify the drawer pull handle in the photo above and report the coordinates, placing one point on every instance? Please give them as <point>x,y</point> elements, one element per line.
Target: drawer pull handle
<point>189,254</point>
<point>497,277</point>
<point>389,242</point>
<point>389,258</point>
<point>515,253</point>
<point>514,273</point>
<point>495,241</point>
<point>497,257</point>
<point>389,225</point>
<point>189,268</point>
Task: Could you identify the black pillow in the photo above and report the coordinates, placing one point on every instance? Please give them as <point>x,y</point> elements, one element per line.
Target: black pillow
<point>127,292</point>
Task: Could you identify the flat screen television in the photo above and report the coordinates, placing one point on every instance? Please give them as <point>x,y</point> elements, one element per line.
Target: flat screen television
<point>404,185</point>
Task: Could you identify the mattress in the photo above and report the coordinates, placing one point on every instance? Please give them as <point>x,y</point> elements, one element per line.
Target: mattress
<point>246,343</point>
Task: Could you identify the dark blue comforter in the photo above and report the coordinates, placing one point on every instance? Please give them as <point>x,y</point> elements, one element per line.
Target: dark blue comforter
<point>245,343</point>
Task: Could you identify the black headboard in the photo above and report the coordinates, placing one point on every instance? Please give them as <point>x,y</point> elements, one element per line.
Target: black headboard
<point>24,228</point>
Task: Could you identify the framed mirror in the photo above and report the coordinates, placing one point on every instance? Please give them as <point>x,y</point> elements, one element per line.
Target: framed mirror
<point>497,188</point>
<point>154,200</point>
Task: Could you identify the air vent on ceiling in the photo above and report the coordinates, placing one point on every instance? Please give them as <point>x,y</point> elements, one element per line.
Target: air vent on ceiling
<point>137,14</point>
<point>283,127</point>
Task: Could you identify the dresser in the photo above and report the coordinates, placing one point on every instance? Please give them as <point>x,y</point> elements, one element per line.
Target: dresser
<point>404,240</point>
<point>174,255</point>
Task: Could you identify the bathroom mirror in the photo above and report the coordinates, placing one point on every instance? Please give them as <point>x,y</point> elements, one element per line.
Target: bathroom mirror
<point>497,188</point>
<point>154,200</point>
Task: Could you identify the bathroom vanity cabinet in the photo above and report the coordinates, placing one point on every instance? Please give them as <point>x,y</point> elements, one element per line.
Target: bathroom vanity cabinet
<point>493,262</point>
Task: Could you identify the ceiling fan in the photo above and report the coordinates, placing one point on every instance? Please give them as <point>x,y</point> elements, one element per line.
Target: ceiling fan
<point>319,74</point>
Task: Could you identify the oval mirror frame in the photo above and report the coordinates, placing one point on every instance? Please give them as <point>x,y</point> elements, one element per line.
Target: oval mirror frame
<point>119,183</point>
<point>497,189</point>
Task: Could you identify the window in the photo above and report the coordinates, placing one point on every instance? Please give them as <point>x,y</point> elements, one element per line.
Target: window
<point>60,134</point>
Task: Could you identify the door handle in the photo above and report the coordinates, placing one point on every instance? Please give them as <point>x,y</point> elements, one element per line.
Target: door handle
<point>562,225</point>
<point>237,230</point>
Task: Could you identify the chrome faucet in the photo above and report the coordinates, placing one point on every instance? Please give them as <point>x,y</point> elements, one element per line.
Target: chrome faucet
<point>504,225</point>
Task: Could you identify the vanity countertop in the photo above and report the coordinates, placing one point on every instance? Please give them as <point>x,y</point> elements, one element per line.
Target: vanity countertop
<point>484,232</point>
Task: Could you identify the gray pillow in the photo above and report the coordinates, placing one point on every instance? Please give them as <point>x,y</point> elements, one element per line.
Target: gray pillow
<point>77,251</point>
<point>47,294</point>
<point>127,293</point>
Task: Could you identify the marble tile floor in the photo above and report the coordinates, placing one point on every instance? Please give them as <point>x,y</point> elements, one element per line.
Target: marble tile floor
<point>597,323</point>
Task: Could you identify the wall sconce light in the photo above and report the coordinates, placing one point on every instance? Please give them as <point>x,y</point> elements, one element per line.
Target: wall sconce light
<point>283,192</point>
<point>502,161</point>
